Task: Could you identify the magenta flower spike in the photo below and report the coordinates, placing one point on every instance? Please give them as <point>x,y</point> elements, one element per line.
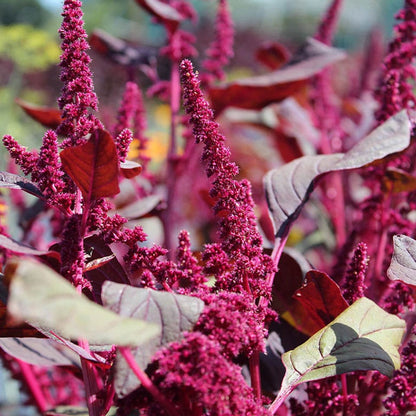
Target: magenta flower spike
<point>77,95</point>
<point>241,242</point>
<point>354,286</point>
<point>326,29</point>
<point>396,89</point>
<point>221,49</point>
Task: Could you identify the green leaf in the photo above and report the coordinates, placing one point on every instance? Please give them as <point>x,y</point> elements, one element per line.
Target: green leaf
<point>363,337</point>
<point>43,298</point>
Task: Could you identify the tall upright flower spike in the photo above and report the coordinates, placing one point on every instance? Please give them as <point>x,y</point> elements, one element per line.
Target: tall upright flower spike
<point>397,82</point>
<point>132,115</point>
<point>77,95</point>
<point>326,29</point>
<point>221,49</point>
<point>240,239</point>
<point>354,286</point>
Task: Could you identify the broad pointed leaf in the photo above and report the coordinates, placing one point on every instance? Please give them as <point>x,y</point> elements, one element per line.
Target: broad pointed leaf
<point>363,337</point>
<point>44,299</point>
<point>10,180</point>
<point>48,117</point>
<point>403,262</point>
<point>16,247</point>
<point>39,351</point>
<point>321,299</point>
<point>259,91</point>
<point>173,313</point>
<point>93,166</point>
<point>288,187</point>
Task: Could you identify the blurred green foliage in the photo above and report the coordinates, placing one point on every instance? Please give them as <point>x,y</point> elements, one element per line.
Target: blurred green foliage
<point>29,48</point>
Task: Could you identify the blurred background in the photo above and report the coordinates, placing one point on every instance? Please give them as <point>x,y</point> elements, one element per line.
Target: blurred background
<point>29,48</point>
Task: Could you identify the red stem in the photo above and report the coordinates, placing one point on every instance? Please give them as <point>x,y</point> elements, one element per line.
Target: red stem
<point>254,365</point>
<point>344,392</point>
<point>147,383</point>
<point>33,386</point>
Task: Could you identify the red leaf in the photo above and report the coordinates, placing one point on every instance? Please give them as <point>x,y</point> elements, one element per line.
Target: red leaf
<point>93,166</point>
<point>48,117</point>
<point>130,169</point>
<point>259,91</point>
<point>273,55</point>
<point>320,297</point>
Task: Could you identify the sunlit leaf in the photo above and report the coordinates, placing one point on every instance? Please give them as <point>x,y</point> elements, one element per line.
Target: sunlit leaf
<point>363,337</point>
<point>403,262</point>
<point>258,91</point>
<point>93,166</point>
<point>173,313</point>
<point>41,297</point>
<point>288,187</point>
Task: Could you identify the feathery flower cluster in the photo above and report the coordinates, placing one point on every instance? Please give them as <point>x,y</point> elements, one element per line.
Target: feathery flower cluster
<point>77,95</point>
<point>231,320</point>
<point>325,399</point>
<point>27,160</point>
<point>240,240</point>
<point>221,49</point>
<point>396,90</point>
<point>193,373</point>
<point>403,384</point>
<point>354,286</point>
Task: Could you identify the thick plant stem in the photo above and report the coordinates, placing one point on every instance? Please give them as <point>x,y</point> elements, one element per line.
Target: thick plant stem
<point>147,383</point>
<point>32,383</point>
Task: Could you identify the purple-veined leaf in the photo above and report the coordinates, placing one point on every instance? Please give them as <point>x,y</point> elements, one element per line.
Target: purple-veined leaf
<point>10,180</point>
<point>173,313</point>
<point>363,337</point>
<point>39,351</point>
<point>258,91</point>
<point>88,355</point>
<point>403,261</point>
<point>44,299</point>
<point>288,187</point>
<point>16,247</point>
